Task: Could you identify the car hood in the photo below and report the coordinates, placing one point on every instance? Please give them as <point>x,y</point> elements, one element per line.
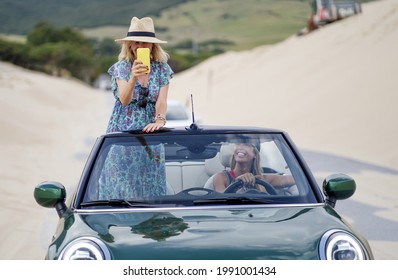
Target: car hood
<point>257,233</point>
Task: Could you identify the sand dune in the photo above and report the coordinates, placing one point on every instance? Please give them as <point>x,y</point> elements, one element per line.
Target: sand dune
<point>47,127</point>
<point>334,90</point>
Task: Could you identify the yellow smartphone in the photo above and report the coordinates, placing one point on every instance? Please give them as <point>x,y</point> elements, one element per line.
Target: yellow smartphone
<point>144,55</point>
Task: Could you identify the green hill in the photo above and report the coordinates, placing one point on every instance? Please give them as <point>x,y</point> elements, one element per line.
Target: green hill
<point>223,24</point>
<point>232,24</point>
<point>19,16</point>
<point>226,24</point>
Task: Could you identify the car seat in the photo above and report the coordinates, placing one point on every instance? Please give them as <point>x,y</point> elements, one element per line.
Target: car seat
<point>221,162</point>
<point>169,189</point>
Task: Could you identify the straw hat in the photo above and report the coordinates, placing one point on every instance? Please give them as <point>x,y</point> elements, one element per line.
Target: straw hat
<point>141,30</point>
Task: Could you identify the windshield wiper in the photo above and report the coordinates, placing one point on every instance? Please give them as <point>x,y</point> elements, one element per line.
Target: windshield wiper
<point>117,202</point>
<point>233,200</point>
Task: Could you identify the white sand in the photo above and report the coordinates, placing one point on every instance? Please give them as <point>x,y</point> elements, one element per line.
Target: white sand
<point>334,91</point>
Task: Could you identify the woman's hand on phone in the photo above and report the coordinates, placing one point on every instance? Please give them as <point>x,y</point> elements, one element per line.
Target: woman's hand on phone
<point>138,68</point>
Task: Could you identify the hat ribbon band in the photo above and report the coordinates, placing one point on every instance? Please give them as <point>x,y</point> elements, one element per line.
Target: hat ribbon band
<point>141,33</point>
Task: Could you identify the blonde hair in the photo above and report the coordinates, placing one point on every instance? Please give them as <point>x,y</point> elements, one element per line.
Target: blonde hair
<point>157,53</point>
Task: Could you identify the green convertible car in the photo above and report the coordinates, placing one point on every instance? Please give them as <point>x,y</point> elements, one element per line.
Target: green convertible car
<point>204,193</point>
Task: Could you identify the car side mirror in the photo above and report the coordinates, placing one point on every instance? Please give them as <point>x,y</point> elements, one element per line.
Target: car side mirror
<point>51,195</point>
<point>338,187</point>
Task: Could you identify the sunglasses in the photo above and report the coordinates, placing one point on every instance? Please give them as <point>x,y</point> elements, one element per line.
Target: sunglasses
<point>144,92</point>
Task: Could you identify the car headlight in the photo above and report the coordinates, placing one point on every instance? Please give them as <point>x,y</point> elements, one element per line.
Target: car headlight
<point>341,245</point>
<point>85,248</point>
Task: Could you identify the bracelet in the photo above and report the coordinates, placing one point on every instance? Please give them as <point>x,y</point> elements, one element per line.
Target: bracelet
<point>160,117</point>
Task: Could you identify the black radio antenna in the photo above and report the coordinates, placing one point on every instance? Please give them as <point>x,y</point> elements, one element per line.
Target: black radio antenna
<point>193,112</point>
<point>193,125</point>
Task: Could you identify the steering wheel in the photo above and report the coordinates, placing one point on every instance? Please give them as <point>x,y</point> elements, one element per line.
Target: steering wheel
<point>234,187</point>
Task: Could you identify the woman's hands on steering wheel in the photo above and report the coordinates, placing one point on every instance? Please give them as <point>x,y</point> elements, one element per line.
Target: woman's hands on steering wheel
<point>239,184</point>
<point>247,178</point>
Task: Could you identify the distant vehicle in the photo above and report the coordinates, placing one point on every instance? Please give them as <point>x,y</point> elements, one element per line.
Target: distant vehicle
<point>178,115</point>
<point>327,11</point>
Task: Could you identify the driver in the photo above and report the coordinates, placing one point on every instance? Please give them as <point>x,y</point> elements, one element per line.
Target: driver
<point>245,167</point>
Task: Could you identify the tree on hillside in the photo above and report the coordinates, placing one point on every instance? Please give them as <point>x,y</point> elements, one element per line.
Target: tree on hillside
<point>43,33</point>
<point>61,51</point>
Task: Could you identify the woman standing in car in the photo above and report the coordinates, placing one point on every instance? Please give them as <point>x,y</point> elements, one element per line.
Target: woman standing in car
<point>137,171</point>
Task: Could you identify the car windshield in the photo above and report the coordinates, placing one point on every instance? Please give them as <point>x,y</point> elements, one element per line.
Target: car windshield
<point>156,170</point>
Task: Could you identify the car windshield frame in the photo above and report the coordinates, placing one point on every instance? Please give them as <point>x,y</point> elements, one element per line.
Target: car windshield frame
<point>194,149</point>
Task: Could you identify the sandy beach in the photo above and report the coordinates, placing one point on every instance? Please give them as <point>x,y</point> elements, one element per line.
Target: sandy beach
<point>334,90</point>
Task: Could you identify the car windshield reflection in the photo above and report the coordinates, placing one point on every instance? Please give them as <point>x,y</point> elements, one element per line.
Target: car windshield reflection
<point>164,170</point>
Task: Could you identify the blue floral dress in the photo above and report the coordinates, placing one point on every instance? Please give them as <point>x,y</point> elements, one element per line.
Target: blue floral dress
<point>134,172</point>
